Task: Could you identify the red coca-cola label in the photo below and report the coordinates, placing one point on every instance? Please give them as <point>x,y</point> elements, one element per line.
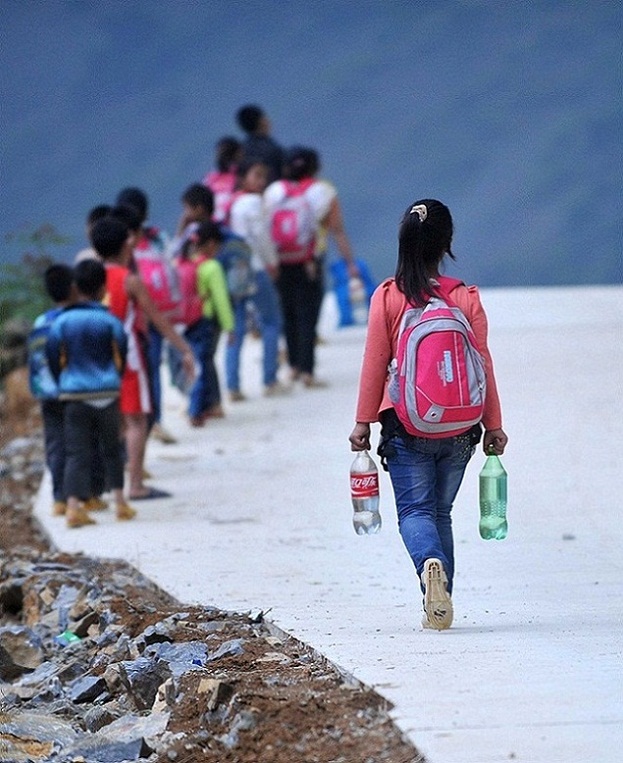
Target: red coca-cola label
<point>364,485</point>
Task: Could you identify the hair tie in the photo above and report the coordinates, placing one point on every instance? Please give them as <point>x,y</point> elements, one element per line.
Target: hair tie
<point>420,210</point>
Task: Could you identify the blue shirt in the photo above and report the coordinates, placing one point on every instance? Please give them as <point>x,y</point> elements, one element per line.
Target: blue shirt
<point>86,351</point>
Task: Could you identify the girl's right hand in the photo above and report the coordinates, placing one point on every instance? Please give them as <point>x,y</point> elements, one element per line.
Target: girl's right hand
<point>360,437</point>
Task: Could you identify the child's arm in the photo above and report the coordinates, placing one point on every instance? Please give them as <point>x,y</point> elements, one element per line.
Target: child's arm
<point>334,223</point>
<point>217,287</point>
<point>137,289</point>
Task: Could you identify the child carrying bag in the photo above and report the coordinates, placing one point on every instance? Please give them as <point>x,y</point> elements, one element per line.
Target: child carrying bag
<point>437,379</point>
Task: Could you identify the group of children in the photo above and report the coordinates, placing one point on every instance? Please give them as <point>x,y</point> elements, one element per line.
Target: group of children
<point>249,250</point>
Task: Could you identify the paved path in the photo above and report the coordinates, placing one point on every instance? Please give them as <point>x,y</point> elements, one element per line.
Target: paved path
<point>531,670</point>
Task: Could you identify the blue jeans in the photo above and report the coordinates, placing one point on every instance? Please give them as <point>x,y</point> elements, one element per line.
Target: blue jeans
<point>154,357</point>
<point>203,338</point>
<point>268,312</point>
<point>426,475</point>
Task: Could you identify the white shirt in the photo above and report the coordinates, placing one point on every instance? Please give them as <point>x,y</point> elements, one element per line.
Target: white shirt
<point>247,219</point>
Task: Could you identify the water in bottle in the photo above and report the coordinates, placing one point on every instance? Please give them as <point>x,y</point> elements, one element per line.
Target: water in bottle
<point>358,301</point>
<point>364,491</point>
<point>493,497</point>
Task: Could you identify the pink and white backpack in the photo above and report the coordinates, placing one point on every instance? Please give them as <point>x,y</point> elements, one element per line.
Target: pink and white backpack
<point>437,381</point>
<point>293,224</point>
<point>222,185</point>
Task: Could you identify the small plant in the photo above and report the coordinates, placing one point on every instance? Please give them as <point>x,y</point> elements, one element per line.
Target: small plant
<point>22,293</point>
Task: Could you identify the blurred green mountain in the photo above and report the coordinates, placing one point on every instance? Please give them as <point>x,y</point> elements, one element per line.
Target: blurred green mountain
<point>510,112</point>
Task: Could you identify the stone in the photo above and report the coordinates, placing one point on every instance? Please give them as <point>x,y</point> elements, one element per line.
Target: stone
<point>98,717</point>
<point>142,677</point>
<point>87,689</point>
<point>20,651</point>
<point>228,649</point>
<point>25,733</point>
<point>219,692</point>
<point>180,658</point>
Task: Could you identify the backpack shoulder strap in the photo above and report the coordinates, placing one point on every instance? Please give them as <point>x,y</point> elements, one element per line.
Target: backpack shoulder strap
<point>446,286</point>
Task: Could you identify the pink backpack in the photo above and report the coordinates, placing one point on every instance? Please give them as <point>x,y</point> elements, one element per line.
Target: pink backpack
<point>222,185</point>
<point>437,380</point>
<point>191,305</point>
<point>293,224</point>
<point>156,271</point>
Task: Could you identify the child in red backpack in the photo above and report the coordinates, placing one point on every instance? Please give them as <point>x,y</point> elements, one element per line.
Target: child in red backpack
<point>207,311</point>
<point>302,211</point>
<point>127,298</point>
<point>222,180</point>
<point>426,472</point>
<point>151,257</point>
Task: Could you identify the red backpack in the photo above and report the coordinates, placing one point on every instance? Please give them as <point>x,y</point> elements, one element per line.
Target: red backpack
<point>437,381</point>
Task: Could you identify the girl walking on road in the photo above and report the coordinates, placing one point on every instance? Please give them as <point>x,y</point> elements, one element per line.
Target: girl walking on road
<point>426,472</point>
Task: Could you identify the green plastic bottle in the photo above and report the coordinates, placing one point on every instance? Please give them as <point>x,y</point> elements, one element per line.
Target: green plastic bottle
<point>493,498</point>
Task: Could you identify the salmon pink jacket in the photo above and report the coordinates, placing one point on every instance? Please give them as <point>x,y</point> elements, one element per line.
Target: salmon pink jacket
<point>386,309</point>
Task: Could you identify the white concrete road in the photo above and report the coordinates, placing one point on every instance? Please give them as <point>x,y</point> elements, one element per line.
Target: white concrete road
<point>260,519</point>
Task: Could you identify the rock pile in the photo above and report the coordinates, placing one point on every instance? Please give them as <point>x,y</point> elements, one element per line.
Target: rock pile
<point>99,665</point>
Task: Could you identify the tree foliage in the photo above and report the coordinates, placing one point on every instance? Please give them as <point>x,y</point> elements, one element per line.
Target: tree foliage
<point>22,292</point>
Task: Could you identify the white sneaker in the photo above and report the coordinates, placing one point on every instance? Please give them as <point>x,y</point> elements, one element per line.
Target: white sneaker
<point>277,388</point>
<point>158,432</point>
<point>438,612</point>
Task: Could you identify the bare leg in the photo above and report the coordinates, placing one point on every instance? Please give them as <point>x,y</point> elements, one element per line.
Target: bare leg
<point>136,439</point>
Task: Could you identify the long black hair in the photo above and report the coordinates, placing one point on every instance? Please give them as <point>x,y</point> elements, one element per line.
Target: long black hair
<point>424,239</point>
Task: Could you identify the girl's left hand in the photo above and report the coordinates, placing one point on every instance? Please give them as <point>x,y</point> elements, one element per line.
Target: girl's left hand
<point>360,437</point>
<point>497,439</point>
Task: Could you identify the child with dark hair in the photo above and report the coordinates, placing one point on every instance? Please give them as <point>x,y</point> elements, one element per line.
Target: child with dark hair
<point>128,299</point>
<point>197,207</point>
<point>247,220</point>
<point>426,472</point>
<point>95,213</point>
<point>156,270</point>
<point>58,280</point>
<point>86,350</point>
<point>301,271</point>
<point>204,279</point>
<point>222,180</point>
<point>259,145</point>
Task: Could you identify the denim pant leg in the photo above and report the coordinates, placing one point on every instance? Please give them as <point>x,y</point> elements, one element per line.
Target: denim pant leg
<point>154,358</point>
<point>268,307</point>
<point>52,415</point>
<point>213,386</point>
<point>234,347</point>
<point>426,475</point>
<point>198,337</point>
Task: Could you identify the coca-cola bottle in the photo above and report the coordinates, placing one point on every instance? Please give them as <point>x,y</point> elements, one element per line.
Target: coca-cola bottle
<point>364,491</point>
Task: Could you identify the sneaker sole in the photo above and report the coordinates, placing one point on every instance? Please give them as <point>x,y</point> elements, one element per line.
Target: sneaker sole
<point>437,601</point>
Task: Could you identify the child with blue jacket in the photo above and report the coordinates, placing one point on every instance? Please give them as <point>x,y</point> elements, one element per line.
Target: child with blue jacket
<point>86,351</point>
<point>58,281</point>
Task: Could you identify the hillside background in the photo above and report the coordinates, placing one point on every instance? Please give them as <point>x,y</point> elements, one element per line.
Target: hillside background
<point>509,111</point>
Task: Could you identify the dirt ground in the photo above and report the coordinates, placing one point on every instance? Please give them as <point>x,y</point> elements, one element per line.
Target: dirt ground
<point>292,705</point>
